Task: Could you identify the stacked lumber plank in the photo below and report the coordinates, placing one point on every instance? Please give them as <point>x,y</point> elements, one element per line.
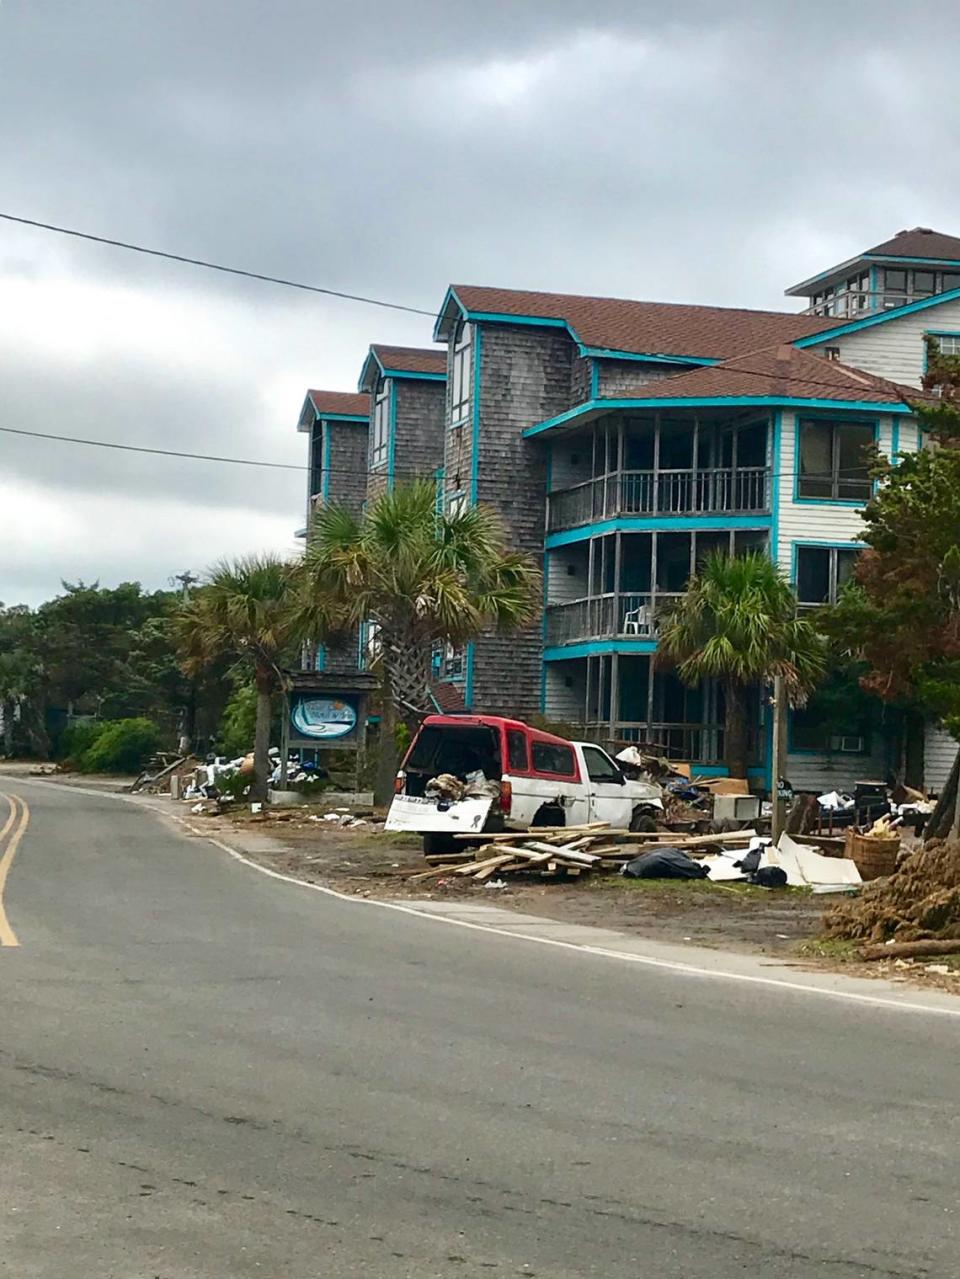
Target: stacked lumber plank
<point>567,851</point>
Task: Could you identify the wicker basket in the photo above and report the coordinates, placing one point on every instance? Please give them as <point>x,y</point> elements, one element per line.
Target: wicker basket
<point>874,857</point>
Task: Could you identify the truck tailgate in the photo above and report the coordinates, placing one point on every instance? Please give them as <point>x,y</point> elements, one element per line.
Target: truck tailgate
<point>413,813</point>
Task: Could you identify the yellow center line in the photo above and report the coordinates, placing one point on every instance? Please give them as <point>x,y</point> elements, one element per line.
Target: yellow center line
<point>7,936</point>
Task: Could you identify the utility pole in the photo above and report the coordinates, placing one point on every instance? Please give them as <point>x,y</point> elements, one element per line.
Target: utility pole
<point>185,744</point>
<point>186,580</point>
<point>779,755</point>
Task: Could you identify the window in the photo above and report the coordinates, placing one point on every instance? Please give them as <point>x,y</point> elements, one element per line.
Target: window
<point>924,283</point>
<point>456,504</point>
<point>823,571</point>
<point>949,343</point>
<point>834,462</point>
<point>600,767</point>
<point>451,661</point>
<point>549,758</point>
<point>517,751</point>
<point>380,441</point>
<point>950,280</point>
<point>832,353</point>
<point>462,371</point>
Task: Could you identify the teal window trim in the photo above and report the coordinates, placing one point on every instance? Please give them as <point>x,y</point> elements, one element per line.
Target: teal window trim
<point>882,317</point>
<point>475,416</point>
<point>392,436</point>
<point>820,544</point>
<point>468,680</point>
<point>596,407</point>
<point>826,501</point>
<point>594,381</point>
<point>895,442</point>
<point>937,333</point>
<point>325,465</point>
<point>356,418</point>
<point>439,476</point>
<point>657,523</point>
<point>415,377</point>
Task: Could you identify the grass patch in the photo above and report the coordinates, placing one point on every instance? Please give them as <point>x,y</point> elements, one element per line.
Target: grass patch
<point>840,949</point>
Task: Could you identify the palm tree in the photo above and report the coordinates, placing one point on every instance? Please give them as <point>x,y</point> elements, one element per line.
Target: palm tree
<point>421,578</point>
<point>738,623</point>
<point>249,610</point>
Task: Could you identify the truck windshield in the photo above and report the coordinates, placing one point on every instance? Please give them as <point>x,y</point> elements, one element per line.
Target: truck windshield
<point>442,748</point>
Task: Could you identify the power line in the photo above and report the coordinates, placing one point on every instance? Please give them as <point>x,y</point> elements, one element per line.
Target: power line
<point>215,266</point>
<point>140,448</point>
<point>280,466</point>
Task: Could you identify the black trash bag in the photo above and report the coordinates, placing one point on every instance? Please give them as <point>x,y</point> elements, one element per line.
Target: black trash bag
<point>769,877</point>
<point>664,863</point>
<point>750,863</point>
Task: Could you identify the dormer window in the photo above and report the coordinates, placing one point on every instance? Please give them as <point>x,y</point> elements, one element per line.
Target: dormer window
<point>462,379</point>
<point>380,436</point>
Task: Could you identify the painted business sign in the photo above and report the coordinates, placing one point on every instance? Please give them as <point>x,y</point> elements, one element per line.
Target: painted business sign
<point>319,718</point>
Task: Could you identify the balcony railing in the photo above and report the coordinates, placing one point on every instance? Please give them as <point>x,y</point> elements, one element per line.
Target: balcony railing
<point>697,743</point>
<point>610,616</point>
<point>721,491</point>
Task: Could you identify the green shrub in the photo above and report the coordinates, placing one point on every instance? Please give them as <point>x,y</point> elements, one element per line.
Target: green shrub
<point>238,722</point>
<point>121,746</point>
<point>77,739</point>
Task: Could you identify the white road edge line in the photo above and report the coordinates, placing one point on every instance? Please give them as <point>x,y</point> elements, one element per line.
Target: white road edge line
<point>603,952</point>
<point>691,970</point>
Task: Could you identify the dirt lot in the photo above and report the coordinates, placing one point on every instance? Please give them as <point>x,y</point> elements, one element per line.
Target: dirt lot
<point>366,860</point>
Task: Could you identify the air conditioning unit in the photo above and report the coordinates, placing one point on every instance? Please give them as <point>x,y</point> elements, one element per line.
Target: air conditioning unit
<point>848,745</point>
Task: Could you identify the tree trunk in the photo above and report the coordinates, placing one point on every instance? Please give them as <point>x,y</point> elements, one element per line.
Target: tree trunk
<point>408,661</point>
<point>261,737</point>
<point>941,819</point>
<point>8,706</point>
<point>387,761</point>
<point>735,729</point>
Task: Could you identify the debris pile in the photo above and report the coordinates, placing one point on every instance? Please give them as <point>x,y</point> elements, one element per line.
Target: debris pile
<point>568,851</point>
<point>919,900</point>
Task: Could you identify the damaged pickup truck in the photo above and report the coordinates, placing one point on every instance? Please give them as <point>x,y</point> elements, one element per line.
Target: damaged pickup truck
<point>467,774</point>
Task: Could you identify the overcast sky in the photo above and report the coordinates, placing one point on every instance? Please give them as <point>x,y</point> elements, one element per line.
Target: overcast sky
<point>388,147</point>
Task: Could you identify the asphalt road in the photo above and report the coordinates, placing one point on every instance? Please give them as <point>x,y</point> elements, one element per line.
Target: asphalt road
<point>207,1074</point>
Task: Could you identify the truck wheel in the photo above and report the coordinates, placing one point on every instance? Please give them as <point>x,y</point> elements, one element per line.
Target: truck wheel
<point>641,823</point>
<point>437,844</point>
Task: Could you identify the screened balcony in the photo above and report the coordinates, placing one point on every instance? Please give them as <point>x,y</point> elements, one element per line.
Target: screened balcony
<point>614,586</point>
<point>653,465</point>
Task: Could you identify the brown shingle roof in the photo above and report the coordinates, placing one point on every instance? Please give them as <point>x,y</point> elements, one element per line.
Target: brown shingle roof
<point>919,242</point>
<point>340,402</point>
<point>410,359</point>
<point>780,371</point>
<point>649,328</point>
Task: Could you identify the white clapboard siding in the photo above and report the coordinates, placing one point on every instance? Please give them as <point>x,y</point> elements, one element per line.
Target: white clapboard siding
<point>939,752</point>
<point>801,521</point>
<point>895,348</point>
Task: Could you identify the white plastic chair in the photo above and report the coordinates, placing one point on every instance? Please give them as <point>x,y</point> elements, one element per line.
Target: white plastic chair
<point>638,621</point>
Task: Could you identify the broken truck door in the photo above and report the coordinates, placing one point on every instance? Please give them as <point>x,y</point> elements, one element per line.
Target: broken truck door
<point>609,800</point>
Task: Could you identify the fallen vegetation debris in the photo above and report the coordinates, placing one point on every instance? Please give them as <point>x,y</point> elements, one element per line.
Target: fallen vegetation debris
<point>921,899</point>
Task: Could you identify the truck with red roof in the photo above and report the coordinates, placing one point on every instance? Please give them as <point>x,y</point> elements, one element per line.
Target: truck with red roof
<point>470,774</point>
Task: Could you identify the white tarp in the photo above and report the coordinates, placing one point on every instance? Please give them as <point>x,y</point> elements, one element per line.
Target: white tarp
<point>806,867</point>
<point>721,866</point>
